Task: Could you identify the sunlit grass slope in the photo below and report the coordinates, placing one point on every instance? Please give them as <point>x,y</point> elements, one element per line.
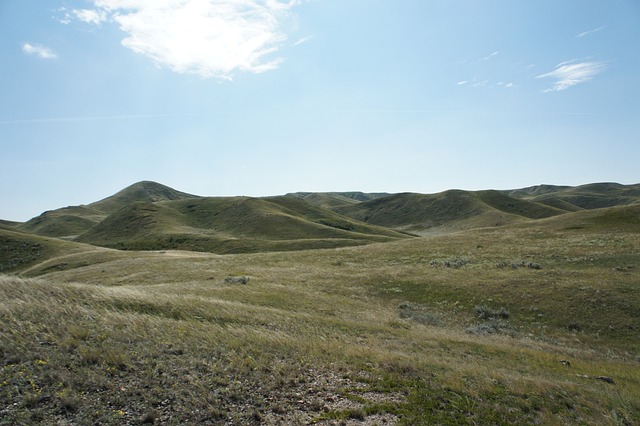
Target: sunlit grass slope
<point>148,215</point>
<point>590,196</point>
<point>231,224</point>
<point>530,324</point>
<point>67,222</point>
<point>330,200</point>
<point>72,221</point>
<point>447,211</point>
<point>20,251</point>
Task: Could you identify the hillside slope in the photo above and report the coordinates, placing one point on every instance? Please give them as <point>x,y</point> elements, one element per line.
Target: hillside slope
<point>619,219</point>
<point>69,222</point>
<point>145,191</point>
<point>149,215</point>
<point>66,222</point>
<point>588,197</point>
<point>231,225</point>
<point>446,211</point>
<point>330,200</point>
<point>20,251</point>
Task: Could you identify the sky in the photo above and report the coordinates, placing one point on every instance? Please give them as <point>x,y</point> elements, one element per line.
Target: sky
<point>267,97</point>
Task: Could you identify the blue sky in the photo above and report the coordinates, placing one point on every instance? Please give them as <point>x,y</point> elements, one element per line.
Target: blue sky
<point>265,97</point>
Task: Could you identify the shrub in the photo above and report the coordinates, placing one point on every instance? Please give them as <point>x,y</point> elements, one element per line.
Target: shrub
<point>418,313</point>
<point>516,265</point>
<point>484,312</point>
<point>455,262</point>
<point>237,280</point>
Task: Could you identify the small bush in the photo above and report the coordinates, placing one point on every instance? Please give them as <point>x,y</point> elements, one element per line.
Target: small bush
<point>418,313</point>
<point>491,327</point>
<point>484,312</point>
<point>237,280</point>
<point>484,328</point>
<point>493,321</point>
<point>516,265</point>
<point>455,263</point>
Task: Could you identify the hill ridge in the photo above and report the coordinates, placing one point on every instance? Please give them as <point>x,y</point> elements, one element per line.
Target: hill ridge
<point>149,215</point>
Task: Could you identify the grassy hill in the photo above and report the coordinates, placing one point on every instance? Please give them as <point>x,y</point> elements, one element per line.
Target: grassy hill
<point>330,200</point>
<point>8,224</point>
<point>446,211</point>
<point>231,225</point>
<point>145,191</point>
<point>151,216</point>
<point>19,251</point>
<point>69,222</point>
<point>536,322</point>
<point>590,196</point>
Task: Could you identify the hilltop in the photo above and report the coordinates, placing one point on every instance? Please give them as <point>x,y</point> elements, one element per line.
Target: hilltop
<point>74,220</point>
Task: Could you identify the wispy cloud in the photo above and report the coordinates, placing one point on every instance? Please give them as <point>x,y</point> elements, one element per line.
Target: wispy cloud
<point>302,40</point>
<point>569,74</point>
<point>38,50</point>
<point>210,38</point>
<point>486,83</point>
<point>486,58</point>
<point>586,33</point>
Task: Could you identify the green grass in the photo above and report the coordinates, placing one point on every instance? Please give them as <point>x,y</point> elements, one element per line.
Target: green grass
<point>378,333</point>
<point>67,222</point>
<point>151,216</point>
<point>231,225</point>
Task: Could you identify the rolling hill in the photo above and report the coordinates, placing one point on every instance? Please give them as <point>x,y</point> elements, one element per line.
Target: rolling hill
<point>231,225</point>
<point>330,200</point>
<point>69,222</point>
<point>447,211</point>
<point>144,191</point>
<point>152,216</point>
<point>20,250</point>
<point>588,197</point>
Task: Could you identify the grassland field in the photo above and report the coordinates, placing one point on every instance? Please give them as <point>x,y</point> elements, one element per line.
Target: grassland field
<point>525,324</point>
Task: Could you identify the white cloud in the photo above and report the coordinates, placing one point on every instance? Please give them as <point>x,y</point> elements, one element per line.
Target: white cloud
<point>38,50</point>
<point>486,58</point>
<point>569,74</point>
<point>210,38</point>
<point>302,40</point>
<point>90,16</point>
<point>586,33</point>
